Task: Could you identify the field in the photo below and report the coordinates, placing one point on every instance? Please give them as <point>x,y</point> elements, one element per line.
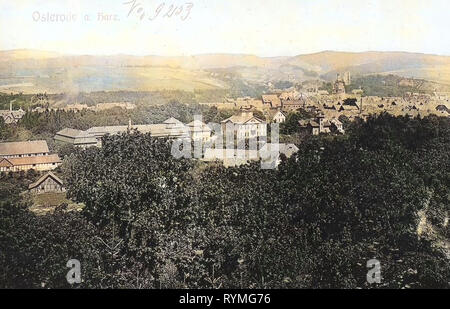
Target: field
<point>435,73</point>
<point>95,78</point>
<point>47,202</point>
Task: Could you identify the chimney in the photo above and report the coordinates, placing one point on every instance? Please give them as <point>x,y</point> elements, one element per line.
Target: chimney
<point>247,113</point>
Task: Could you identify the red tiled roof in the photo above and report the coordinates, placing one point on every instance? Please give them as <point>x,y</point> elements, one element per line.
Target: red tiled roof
<point>35,160</point>
<point>18,148</point>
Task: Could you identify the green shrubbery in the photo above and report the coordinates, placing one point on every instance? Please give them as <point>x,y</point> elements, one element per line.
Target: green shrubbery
<point>155,222</point>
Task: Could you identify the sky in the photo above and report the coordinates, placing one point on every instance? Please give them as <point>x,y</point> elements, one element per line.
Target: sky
<point>259,27</point>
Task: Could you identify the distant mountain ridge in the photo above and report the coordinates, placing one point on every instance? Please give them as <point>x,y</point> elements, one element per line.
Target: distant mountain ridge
<point>24,62</point>
<point>326,60</point>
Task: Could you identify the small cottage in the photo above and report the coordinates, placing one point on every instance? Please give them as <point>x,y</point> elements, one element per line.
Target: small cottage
<point>46,184</point>
<point>279,117</point>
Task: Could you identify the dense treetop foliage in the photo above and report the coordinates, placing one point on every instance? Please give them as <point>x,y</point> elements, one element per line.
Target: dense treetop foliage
<point>151,221</point>
<point>390,85</point>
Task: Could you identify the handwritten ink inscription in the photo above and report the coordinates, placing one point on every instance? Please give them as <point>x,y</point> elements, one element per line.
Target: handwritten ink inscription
<point>163,10</point>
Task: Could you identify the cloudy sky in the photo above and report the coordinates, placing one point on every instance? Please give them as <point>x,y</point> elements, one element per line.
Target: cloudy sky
<point>260,27</point>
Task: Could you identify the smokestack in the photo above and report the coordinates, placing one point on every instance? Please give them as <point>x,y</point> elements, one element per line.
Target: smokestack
<point>10,106</point>
<point>361,107</point>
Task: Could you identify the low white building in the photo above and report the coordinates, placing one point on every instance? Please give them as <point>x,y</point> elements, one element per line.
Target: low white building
<point>12,116</point>
<point>76,138</point>
<point>270,153</point>
<point>171,128</point>
<point>199,131</point>
<point>245,126</point>
<point>279,117</point>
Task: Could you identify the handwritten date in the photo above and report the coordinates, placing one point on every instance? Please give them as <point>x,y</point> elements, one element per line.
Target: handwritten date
<point>162,11</point>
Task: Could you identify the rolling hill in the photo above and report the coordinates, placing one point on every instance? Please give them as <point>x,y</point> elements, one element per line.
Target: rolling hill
<point>37,71</point>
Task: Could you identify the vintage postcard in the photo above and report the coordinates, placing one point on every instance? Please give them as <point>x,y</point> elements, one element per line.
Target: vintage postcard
<point>208,146</point>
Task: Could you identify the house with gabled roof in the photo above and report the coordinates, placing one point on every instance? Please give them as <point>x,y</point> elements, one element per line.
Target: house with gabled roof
<point>293,105</point>
<point>173,123</point>
<point>12,116</point>
<point>321,125</point>
<point>443,109</point>
<point>76,138</point>
<point>199,130</point>
<point>279,117</point>
<point>175,128</point>
<point>290,96</point>
<point>23,156</point>
<point>24,149</point>
<point>310,126</point>
<point>272,100</point>
<point>38,163</point>
<point>46,184</point>
<point>245,125</point>
<point>171,128</point>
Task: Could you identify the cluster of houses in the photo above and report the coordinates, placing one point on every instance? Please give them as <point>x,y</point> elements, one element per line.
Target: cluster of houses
<point>335,102</point>
<point>285,101</point>
<point>32,155</point>
<point>277,105</point>
<point>171,128</point>
<point>24,156</point>
<point>321,125</point>
<point>12,116</point>
<point>290,100</point>
<point>244,125</point>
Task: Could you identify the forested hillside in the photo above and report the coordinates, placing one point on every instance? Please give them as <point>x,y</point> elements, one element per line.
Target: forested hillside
<point>151,221</point>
